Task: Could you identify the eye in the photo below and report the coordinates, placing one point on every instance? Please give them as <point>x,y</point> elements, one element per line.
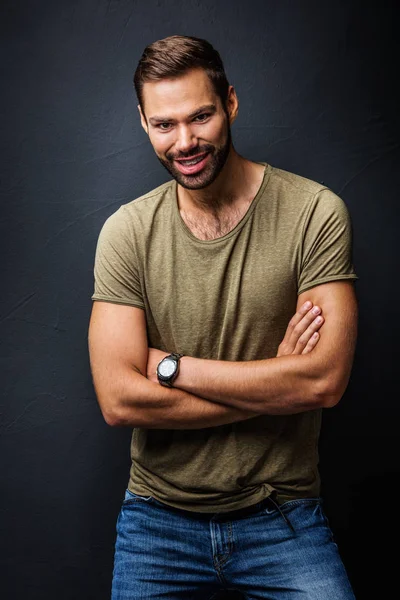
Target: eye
<point>202,117</point>
<point>164,126</point>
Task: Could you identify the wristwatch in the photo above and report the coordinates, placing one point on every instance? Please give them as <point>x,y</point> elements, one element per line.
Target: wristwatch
<point>168,369</point>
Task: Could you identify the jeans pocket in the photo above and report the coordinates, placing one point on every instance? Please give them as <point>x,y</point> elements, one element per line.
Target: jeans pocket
<point>130,497</point>
<point>302,503</point>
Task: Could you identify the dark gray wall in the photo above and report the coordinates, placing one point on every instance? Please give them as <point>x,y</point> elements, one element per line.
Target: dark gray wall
<point>317,88</point>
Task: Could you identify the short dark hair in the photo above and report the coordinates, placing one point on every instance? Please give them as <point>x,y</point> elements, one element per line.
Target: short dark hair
<point>174,56</point>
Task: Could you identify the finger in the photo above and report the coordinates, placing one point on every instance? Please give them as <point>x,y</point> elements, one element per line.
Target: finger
<point>307,335</point>
<point>293,323</point>
<point>302,325</point>
<point>312,342</point>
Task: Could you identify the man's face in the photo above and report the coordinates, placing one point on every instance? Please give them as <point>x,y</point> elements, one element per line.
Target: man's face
<point>188,128</point>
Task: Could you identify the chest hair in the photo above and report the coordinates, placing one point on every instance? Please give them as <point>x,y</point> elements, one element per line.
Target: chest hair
<point>207,226</point>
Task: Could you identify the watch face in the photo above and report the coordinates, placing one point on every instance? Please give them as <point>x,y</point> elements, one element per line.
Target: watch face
<point>167,368</point>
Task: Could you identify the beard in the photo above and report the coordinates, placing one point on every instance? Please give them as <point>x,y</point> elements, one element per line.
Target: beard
<point>216,161</point>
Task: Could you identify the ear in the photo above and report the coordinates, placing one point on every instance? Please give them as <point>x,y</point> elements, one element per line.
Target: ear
<point>232,104</point>
<point>143,120</point>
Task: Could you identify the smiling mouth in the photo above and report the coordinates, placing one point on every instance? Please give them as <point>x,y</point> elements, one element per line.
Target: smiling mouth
<point>192,165</point>
<point>192,160</point>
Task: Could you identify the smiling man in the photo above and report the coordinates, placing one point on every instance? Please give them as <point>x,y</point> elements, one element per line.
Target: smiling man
<point>209,294</point>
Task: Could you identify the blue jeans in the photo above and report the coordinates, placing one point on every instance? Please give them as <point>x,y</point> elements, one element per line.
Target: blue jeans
<point>284,552</point>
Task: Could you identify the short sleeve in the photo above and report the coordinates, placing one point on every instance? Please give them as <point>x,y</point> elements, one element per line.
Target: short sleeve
<point>326,253</point>
<point>116,273</point>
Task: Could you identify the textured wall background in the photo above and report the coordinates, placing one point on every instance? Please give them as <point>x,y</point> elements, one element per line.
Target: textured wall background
<point>317,90</point>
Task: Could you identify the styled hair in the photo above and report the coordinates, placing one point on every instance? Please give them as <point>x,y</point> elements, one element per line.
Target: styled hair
<point>174,56</point>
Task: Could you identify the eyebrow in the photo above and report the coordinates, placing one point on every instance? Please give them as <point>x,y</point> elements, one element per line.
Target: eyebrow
<point>206,108</point>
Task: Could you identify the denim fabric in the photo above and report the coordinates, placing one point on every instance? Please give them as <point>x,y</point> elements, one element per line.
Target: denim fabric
<point>276,553</point>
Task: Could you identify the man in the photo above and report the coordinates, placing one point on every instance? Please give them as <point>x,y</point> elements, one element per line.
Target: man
<point>201,340</point>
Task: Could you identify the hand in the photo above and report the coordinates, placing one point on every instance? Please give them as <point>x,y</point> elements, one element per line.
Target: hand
<point>153,358</point>
<point>301,334</point>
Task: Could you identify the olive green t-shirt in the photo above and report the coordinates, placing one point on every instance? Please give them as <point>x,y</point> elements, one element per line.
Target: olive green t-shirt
<point>230,298</point>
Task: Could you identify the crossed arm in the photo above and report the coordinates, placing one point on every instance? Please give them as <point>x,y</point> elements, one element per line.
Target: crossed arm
<point>208,393</point>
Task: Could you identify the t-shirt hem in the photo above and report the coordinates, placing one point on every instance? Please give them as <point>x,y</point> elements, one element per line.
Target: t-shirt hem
<point>117,300</point>
<point>316,282</point>
<point>202,507</point>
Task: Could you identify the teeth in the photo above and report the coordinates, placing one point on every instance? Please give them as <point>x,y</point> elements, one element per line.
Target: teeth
<point>194,161</point>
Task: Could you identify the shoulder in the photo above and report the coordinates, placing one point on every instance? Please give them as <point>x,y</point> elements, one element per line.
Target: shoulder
<point>305,195</point>
<point>291,183</point>
<point>139,214</point>
<point>148,201</point>
<point>151,202</point>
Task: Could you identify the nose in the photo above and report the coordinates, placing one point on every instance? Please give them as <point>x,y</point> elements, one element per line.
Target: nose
<point>186,140</point>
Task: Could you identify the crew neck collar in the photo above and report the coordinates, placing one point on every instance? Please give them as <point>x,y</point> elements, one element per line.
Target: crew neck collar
<point>238,226</point>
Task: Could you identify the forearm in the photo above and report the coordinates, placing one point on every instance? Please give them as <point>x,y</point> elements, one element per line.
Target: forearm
<point>142,403</point>
<point>284,385</point>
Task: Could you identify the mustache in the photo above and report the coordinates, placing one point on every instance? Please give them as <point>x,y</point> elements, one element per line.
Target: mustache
<point>194,152</point>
